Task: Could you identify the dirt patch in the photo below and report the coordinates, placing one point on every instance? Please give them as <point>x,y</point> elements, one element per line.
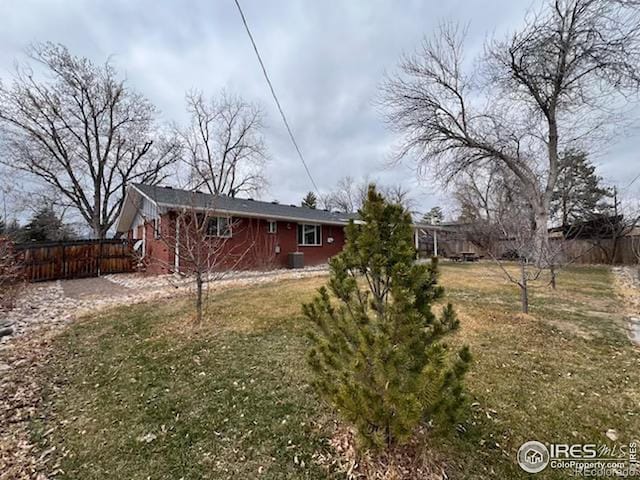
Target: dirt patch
<point>97,287</point>
<point>407,462</point>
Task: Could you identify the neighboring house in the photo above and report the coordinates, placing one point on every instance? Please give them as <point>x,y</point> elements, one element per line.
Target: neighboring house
<point>265,232</point>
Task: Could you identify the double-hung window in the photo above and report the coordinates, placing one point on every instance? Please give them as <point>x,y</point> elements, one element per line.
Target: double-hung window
<point>272,226</point>
<point>219,227</point>
<point>309,235</point>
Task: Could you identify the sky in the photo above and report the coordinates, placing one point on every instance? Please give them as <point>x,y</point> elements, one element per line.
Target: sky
<point>326,60</point>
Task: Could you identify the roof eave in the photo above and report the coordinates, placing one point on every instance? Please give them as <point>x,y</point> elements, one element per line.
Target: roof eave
<point>286,218</point>
<point>127,203</point>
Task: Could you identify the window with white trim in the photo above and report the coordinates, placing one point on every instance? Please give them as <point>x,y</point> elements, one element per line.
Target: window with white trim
<point>219,227</point>
<point>309,235</point>
<point>272,226</point>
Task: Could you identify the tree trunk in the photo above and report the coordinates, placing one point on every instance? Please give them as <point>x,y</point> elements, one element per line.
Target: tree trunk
<point>552,270</point>
<point>616,226</point>
<point>541,237</point>
<point>96,227</point>
<point>542,209</point>
<point>97,205</point>
<point>199,283</point>
<point>524,288</point>
<point>614,248</point>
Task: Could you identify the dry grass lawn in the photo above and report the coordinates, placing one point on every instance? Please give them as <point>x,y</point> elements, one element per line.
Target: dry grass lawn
<point>136,393</point>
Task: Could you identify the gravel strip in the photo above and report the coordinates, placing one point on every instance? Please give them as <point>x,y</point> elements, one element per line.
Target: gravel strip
<point>629,281</point>
<point>139,281</point>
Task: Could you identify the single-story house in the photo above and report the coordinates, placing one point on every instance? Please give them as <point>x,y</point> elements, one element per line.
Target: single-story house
<point>264,232</point>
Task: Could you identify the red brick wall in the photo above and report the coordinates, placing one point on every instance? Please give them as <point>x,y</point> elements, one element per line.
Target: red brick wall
<point>250,247</point>
<point>159,252</point>
<point>287,237</point>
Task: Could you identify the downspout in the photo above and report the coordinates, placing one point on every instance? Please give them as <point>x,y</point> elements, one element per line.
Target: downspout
<point>144,238</point>
<point>176,253</point>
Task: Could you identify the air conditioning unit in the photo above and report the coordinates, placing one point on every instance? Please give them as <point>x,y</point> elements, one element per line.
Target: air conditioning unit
<point>296,260</point>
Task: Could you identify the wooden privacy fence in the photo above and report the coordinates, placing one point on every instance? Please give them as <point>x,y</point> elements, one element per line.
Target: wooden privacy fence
<point>624,252</point>
<point>74,259</point>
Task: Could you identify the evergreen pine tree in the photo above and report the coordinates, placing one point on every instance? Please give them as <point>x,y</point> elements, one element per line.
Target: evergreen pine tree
<point>376,352</point>
<point>433,216</point>
<point>579,194</point>
<point>45,225</point>
<point>310,200</point>
<point>13,230</point>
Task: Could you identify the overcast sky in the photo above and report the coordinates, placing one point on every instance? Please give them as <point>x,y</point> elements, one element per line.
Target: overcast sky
<point>326,60</point>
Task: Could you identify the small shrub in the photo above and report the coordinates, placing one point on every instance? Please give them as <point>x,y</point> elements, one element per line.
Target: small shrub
<point>376,352</point>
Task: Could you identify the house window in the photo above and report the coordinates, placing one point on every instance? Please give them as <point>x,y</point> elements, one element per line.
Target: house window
<point>309,235</point>
<point>272,226</point>
<point>156,228</point>
<point>219,227</point>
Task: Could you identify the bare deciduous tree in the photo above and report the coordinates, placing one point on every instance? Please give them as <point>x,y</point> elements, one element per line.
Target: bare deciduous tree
<point>549,87</point>
<point>488,198</point>
<point>399,195</point>
<point>518,239</point>
<point>349,194</point>
<point>498,219</point>
<point>484,193</point>
<point>11,279</point>
<point>205,245</point>
<point>224,144</point>
<point>81,131</point>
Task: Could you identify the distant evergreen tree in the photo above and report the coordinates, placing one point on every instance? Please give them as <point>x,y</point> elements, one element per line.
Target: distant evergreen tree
<point>579,194</point>
<point>45,226</point>
<point>433,216</point>
<point>13,230</point>
<point>310,200</point>
<point>375,351</point>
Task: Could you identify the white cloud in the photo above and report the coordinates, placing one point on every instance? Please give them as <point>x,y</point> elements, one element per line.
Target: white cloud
<point>326,60</point>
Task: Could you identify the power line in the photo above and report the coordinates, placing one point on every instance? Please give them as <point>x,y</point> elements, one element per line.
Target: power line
<point>275,97</point>
<point>632,181</point>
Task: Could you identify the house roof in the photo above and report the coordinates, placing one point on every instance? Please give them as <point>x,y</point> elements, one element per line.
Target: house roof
<point>168,198</point>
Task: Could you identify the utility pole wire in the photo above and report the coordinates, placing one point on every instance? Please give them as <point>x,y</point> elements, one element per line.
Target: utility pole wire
<point>275,97</point>
<point>632,181</point>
